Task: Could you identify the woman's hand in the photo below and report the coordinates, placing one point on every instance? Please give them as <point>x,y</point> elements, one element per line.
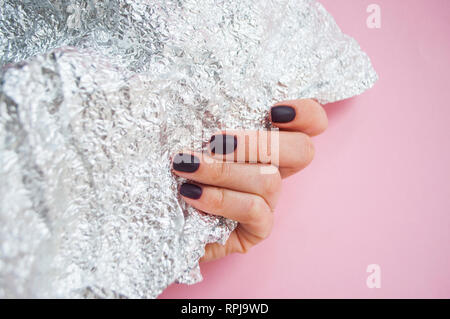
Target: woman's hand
<point>240,177</point>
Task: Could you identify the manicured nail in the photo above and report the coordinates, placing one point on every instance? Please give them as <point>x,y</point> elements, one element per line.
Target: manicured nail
<point>223,144</point>
<point>282,114</point>
<point>191,190</point>
<point>185,163</point>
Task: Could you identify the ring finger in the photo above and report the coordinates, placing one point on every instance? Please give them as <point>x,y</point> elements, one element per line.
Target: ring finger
<point>250,210</point>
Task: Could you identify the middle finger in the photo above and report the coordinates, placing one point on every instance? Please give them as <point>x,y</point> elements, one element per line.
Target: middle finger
<point>260,179</point>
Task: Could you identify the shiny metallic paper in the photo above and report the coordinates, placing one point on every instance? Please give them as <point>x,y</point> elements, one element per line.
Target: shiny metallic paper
<point>96,96</point>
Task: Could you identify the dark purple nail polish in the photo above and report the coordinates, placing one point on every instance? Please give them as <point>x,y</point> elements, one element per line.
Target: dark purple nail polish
<point>282,114</point>
<point>191,190</point>
<point>185,163</point>
<point>223,144</point>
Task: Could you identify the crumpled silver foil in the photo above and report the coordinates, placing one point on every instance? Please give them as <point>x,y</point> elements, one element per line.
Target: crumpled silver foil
<point>96,96</point>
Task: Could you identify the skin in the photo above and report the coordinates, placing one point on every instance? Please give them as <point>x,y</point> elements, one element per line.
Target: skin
<point>235,187</point>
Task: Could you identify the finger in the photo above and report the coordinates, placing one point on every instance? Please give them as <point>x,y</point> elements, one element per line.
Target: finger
<point>260,179</point>
<point>305,116</point>
<point>234,244</point>
<point>291,150</point>
<point>249,210</point>
<point>240,241</point>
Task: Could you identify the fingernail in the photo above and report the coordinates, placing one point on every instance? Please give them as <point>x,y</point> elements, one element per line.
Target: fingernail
<point>223,144</point>
<point>191,191</point>
<point>282,114</point>
<point>185,163</point>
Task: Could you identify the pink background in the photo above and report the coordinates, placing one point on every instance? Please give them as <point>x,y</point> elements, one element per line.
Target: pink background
<point>378,191</point>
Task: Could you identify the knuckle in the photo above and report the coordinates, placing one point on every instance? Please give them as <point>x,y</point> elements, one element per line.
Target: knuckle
<point>321,120</point>
<point>267,230</point>
<point>309,151</point>
<point>305,151</point>
<point>254,209</point>
<point>262,223</point>
<point>245,243</point>
<point>318,120</point>
<point>243,248</point>
<point>217,201</point>
<point>271,183</point>
<point>220,171</point>
<point>321,123</point>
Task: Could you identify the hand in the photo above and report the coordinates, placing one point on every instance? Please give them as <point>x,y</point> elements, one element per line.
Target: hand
<point>240,177</point>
